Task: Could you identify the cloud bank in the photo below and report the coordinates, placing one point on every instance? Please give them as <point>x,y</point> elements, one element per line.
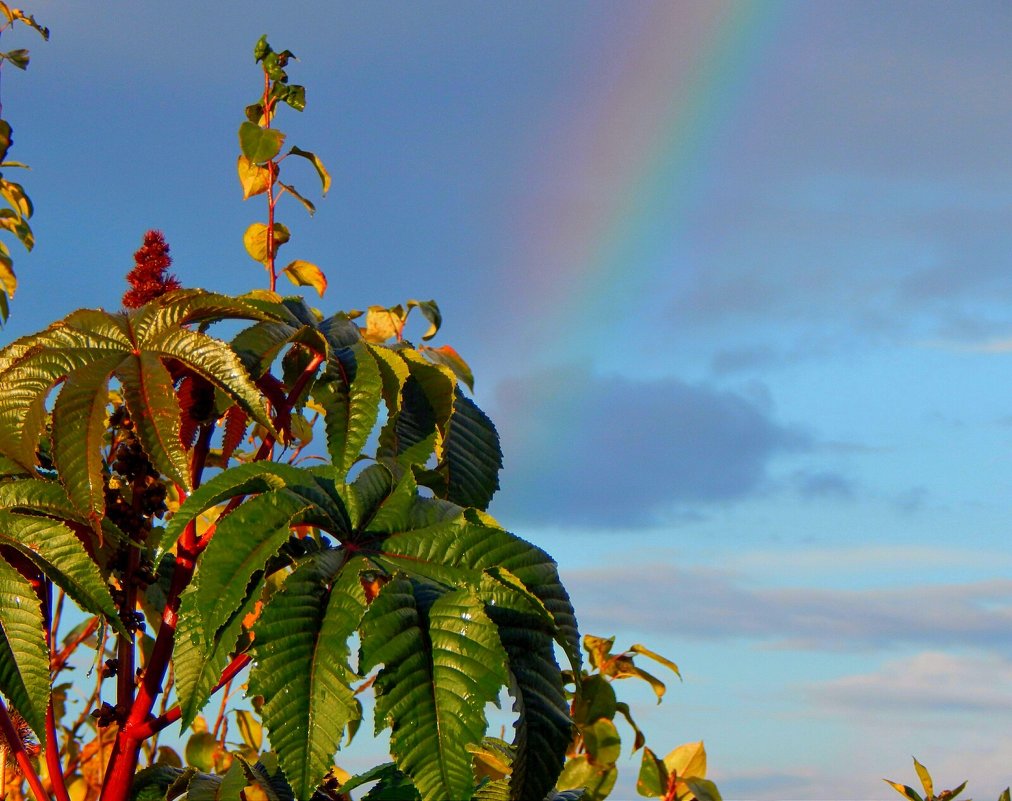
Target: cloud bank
<point>591,450</point>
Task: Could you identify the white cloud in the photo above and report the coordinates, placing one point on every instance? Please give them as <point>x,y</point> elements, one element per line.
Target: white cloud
<point>718,604</point>
<point>926,682</point>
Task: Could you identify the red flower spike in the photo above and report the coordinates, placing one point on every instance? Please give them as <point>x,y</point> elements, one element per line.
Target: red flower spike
<point>148,278</point>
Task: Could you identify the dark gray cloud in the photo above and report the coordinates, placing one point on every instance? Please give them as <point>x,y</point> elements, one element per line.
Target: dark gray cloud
<point>583,449</point>
<point>822,485</point>
<point>715,604</point>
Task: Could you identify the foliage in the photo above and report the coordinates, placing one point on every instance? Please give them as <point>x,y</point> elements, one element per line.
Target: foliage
<point>14,218</point>
<point>300,507</point>
<point>910,793</point>
<point>594,752</point>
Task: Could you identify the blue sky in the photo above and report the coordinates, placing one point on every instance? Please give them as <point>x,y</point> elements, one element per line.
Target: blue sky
<point>735,283</point>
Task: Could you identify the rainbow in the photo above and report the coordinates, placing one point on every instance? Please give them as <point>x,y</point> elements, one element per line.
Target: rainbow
<point>629,154</point>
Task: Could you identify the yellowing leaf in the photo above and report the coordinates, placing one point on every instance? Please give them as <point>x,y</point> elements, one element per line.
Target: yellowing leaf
<point>15,195</point>
<point>447,356</point>
<point>8,281</point>
<point>307,204</point>
<point>642,649</point>
<point>382,324</point>
<point>687,760</point>
<point>304,273</point>
<point>315,160</point>
<point>250,730</point>
<point>255,240</point>
<point>904,790</point>
<point>925,777</point>
<point>488,763</point>
<point>254,178</point>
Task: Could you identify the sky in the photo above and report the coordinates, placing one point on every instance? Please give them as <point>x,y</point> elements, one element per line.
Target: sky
<point>735,282</point>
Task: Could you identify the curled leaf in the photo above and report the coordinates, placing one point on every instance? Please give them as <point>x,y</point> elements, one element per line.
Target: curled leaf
<point>304,273</point>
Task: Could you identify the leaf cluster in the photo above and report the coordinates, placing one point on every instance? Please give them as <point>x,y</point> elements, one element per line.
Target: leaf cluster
<point>18,209</point>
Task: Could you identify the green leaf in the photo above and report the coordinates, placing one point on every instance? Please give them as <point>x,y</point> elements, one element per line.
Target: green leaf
<point>255,240</point>
<point>154,410</point>
<point>19,58</point>
<point>377,772</point>
<point>471,542</point>
<point>304,273</point>
<point>596,700</point>
<point>639,739</point>
<point>1006,795</point>
<point>31,366</point>
<point>315,161</point>
<point>653,777</point>
<point>258,144</point>
<point>301,667</point>
<point>295,96</point>
<point>200,750</point>
<point>258,477</point>
<point>702,789</point>
<point>197,664</point>
<point>261,49</point>
<point>431,312</point>
<point>472,457</point>
<point>352,407</point>
<point>241,546</point>
<point>442,663</point>
<point>58,553</point>
<point>35,496</point>
<point>80,409</point>
<point>543,727</point>
<point>24,655</point>
<point>597,781</point>
<point>602,741</point>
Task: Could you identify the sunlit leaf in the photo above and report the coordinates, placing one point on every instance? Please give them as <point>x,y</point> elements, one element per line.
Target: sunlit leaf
<point>302,671</point>
<point>642,649</point>
<point>687,760</point>
<point>255,179</point>
<point>306,203</point>
<point>24,655</point>
<point>258,144</point>
<point>925,777</point>
<point>255,240</point>
<point>315,161</point>
<point>653,776</point>
<point>303,273</point>
<point>431,312</point>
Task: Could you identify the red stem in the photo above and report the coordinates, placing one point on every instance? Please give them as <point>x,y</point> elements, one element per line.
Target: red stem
<point>53,757</point>
<point>16,747</point>
<point>60,658</point>
<point>52,743</point>
<point>175,713</point>
<point>271,176</point>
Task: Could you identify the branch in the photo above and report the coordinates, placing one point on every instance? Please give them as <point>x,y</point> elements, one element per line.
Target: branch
<point>17,747</point>
<point>238,662</point>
